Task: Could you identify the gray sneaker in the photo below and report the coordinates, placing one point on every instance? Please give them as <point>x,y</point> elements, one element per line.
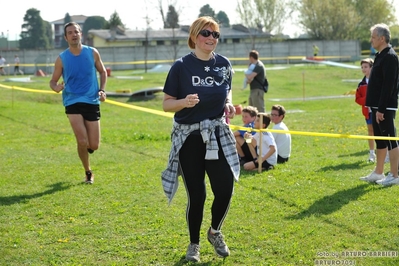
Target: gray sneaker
<point>218,244</point>
<point>193,253</point>
<point>389,180</point>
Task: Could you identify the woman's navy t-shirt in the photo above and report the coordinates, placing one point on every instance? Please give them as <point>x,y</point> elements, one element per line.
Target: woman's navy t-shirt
<point>211,80</point>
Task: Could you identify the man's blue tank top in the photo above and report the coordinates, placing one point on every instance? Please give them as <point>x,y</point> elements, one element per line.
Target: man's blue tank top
<point>80,77</point>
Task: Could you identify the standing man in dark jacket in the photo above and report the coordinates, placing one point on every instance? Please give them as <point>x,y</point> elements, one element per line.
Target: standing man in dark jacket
<point>382,98</point>
<point>256,79</point>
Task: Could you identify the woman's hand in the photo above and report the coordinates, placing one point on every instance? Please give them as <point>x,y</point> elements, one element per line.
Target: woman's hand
<point>191,100</point>
<point>230,110</point>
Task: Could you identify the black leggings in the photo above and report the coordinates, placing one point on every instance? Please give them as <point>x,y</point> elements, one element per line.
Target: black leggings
<point>385,128</point>
<point>194,166</point>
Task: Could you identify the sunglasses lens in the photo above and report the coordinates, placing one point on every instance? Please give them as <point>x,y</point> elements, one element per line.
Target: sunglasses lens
<point>207,33</point>
<point>216,34</point>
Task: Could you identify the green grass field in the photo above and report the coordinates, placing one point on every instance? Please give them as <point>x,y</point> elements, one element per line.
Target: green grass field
<point>311,211</point>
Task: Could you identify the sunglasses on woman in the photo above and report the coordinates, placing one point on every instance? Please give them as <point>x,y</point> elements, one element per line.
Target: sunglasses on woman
<point>207,33</point>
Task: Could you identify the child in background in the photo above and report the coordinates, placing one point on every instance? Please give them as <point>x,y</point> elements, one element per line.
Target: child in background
<point>361,91</point>
<point>247,72</point>
<point>246,152</point>
<point>269,150</point>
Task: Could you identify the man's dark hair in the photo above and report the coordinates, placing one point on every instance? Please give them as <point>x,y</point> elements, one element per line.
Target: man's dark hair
<point>279,108</point>
<point>71,24</point>
<point>254,54</point>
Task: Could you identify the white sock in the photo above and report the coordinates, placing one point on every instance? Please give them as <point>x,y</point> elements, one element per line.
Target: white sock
<point>213,231</point>
<point>372,152</point>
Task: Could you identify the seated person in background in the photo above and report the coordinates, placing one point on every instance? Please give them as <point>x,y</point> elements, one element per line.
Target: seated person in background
<point>251,67</point>
<point>269,149</point>
<point>246,152</point>
<point>283,140</point>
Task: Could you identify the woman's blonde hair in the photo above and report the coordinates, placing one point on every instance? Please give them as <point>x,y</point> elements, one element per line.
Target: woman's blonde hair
<point>198,25</point>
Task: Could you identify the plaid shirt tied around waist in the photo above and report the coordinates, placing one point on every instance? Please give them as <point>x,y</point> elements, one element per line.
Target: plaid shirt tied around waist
<point>180,132</point>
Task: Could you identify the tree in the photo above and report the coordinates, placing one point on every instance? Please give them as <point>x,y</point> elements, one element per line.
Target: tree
<point>114,21</point>
<point>223,19</point>
<point>343,19</point>
<point>67,19</point>
<point>94,22</point>
<point>33,34</point>
<point>265,15</point>
<point>206,10</point>
<point>172,18</point>
<point>49,33</point>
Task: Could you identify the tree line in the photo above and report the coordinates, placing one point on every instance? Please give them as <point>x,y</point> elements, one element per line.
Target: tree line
<point>320,20</point>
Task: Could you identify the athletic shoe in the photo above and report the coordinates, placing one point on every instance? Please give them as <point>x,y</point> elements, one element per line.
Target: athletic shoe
<point>373,177</point>
<point>218,243</point>
<point>89,179</point>
<point>389,180</point>
<point>193,253</point>
<point>371,158</point>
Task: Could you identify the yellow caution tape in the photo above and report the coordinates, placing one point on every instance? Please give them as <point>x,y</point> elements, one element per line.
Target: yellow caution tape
<point>233,127</point>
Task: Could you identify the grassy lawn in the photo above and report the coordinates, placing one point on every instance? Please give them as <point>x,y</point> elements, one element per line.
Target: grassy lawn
<point>310,211</point>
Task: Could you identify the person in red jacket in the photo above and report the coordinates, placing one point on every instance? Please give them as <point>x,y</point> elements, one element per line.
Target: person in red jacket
<point>366,65</point>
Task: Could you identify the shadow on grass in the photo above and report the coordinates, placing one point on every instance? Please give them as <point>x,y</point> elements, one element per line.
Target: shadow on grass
<point>332,203</point>
<point>183,261</point>
<point>359,153</point>
<point>21,198</point>
<point>346,166</point>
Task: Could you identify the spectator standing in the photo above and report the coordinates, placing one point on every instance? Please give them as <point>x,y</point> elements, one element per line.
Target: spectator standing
<point>360,98</point>
<point>382,98</point>
<point>315,50</point>
<point>2,65</point>
<point>16,66</point>
<point>256,79</point>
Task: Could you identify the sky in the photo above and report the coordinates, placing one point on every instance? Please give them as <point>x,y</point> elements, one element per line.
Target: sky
<point>132,13</point>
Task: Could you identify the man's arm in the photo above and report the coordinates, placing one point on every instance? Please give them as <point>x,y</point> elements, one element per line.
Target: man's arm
<point>56,76</point>
<point>100,68</point>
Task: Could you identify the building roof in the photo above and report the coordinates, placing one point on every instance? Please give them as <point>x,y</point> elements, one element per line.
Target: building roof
<point>165,34</point>
<point>76,18</point>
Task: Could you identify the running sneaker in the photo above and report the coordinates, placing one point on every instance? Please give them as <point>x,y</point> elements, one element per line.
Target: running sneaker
<point>217,240</point>
<point>193,253</point>
<point>89,178</point>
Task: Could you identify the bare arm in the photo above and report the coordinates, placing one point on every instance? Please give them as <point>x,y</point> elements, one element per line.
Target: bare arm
<point>171,104</point>
<point>103,74</point>
<point>251,76</point>
<point>56,76</point>
<point>229,107</point>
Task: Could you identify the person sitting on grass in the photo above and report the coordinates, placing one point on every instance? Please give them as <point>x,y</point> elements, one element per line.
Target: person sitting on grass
<point>245,151</point>
<point>269,148</point>
<point>283,140</point>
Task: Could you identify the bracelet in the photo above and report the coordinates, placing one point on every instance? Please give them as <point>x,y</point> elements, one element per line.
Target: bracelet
<point>101,90</point>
